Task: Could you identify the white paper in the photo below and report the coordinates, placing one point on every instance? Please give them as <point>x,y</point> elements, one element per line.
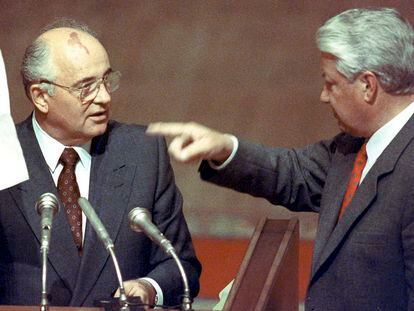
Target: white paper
<point>223,295</point>
<point>13,168</point>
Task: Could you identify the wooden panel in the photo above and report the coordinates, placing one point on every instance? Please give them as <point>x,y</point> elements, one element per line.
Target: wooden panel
<point>268,277</point>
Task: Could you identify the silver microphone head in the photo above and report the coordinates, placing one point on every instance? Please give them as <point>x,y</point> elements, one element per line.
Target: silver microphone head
<point>47,201</point>
<point>137,217</point>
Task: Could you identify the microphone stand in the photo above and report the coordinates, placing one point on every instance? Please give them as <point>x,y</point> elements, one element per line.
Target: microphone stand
<point>123,301</point>
<point>139,221</point>
<point>103,235</point>
<point>46,206</point>
<point>44,250</point>
<point>186,304</point>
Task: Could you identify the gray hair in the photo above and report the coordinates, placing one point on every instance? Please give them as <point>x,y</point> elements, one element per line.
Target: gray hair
<point>377,40</point>
<point>37,62</point>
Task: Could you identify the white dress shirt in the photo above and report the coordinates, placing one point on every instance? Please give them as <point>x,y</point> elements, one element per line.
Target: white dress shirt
<point>383,137</point>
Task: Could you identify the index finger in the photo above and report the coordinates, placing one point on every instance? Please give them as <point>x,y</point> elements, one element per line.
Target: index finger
<point>170,129</point>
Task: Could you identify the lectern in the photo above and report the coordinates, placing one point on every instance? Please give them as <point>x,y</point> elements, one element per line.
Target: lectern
<point>268,276</point>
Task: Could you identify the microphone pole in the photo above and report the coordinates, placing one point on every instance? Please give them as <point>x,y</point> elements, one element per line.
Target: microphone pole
<point>109,245</point>
<point>47,206</point>
<point>140,221</point>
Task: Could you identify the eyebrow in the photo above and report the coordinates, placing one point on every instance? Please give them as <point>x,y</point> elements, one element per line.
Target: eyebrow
<point>90,79</point>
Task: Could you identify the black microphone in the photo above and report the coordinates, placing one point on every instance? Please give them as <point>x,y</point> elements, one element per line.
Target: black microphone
<point>47,206</point>
<point>140,221</point>
<point>109,245</point>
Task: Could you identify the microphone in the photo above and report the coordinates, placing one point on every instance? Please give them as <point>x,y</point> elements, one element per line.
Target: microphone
<point>140,221</point>
<point>103,235</point>
<point>47,206</point>
<point>96,223</point>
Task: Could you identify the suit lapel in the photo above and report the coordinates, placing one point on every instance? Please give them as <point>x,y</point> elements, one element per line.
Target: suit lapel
<point>332,198</point>
<point>110,184</point>
<point>331,234</point>
<point>27,193</point>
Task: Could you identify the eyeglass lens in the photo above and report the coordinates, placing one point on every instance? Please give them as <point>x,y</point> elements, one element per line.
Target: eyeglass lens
<point>110,81</point>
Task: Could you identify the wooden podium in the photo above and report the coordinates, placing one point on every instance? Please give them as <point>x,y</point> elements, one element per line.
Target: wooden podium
<point>268,276</point>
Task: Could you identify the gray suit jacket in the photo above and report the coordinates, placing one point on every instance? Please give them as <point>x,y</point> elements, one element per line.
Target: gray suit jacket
<point>129,169</point>
<point>366,262</point>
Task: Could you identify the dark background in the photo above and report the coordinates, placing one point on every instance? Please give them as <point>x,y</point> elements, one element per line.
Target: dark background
<point>246,67</point>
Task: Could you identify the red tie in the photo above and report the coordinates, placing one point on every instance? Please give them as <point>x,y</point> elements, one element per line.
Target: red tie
<point>69,194</point>
<point>359,164</point>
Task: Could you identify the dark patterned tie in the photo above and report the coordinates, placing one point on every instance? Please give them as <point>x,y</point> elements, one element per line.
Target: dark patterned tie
<point>359,164</point>
<point>69,194</point>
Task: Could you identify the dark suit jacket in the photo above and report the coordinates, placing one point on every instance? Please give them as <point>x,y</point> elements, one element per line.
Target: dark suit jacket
<point>129,169</point>
<point>366,262</point>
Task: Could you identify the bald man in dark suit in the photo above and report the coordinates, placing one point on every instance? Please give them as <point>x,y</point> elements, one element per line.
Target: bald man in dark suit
<point>68,78</point>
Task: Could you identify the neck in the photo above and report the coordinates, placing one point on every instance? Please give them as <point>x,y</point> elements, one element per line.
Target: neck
<point>55,134</point>
<point>390,106</point>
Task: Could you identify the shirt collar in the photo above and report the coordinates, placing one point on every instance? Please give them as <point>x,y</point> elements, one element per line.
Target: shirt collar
<point>52,149</point>
<point>383,136</point>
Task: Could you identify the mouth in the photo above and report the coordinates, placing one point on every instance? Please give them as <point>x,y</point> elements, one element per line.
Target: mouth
<point>99,116</point>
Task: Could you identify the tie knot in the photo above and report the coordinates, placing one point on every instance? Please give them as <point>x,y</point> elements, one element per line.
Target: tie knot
<point>69,157</point>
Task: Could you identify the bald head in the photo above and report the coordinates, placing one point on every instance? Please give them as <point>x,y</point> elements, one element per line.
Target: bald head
<point>63,39</point>
<point>67,36</point>
<point>72,52</point>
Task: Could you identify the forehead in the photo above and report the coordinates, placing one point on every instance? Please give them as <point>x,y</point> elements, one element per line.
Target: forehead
<point>328,66</point>
<point>76,53</point>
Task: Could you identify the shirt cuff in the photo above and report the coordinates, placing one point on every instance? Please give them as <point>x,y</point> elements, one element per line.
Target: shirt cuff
<point>159,298</point>
<point>233,153</point>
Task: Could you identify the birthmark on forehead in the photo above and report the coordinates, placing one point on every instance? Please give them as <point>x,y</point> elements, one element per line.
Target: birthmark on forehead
<point>74,40</point>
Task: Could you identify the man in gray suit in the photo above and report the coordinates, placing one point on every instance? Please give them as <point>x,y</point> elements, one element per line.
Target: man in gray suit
<point>363,259</point>
<point>69,79</point>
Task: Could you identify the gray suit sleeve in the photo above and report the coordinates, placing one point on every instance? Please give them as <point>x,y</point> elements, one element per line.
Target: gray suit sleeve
<point>293,178</point>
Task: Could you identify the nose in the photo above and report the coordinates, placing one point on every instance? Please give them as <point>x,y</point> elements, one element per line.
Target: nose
<point>103,95</point>
<point>324,97</point>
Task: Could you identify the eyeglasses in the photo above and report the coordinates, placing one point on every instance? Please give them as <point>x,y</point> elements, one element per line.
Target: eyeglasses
<point>88,92</point>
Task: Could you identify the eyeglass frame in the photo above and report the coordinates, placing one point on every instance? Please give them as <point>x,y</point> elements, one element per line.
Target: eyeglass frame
<point>98,82</point>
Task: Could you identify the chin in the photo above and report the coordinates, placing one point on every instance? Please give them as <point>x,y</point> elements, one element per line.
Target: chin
<point>97,130</point>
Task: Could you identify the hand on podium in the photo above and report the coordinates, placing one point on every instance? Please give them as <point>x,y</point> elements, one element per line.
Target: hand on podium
<point>140,288</point>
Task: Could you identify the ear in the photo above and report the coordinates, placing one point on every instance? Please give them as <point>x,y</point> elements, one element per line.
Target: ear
<point>369,86</point>
<point>40,98</point>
